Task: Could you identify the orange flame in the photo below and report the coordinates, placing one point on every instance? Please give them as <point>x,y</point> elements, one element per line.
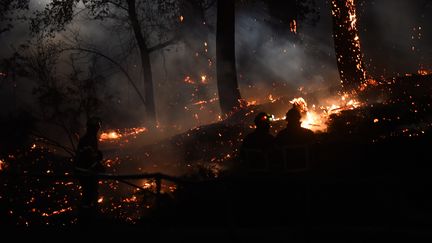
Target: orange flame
<point>203,79</point>
<point>2,165</point>
<point>188,80</point>
<point>116,135</point>
<point>109,136</point>
<point>293,26</point>
<point>63,210</point>
<point>424,72</point>
<point>316,119</point>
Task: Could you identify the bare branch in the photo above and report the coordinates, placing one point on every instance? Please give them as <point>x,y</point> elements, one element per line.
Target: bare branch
<point>118,5</point>
<point>209,5</point>
<point>163,44</point>
<point>112,61</point>
<point>54,143</point>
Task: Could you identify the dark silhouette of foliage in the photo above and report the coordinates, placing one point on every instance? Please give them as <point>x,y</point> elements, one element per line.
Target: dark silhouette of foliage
<point>10,11</point>
<point>64,101</point>
<point>150,24</point>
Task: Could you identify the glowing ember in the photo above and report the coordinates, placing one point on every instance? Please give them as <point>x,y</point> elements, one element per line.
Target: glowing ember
<point>250,103</point>
<point>124,133</point>
<point>369,82</point>
<point>112,162</point>
<point>2,165</point>
<point>57,212</point>
<point>188,80</point>
<point>203,79</point>
<point>131,199</point>
<point>424,72</point>
<point>100,200</point>
<point>181,18</point>
<point>270,97</point>
<point>109,136</point>
<point>201,102</point>
<point>293,26</point>
<point>149,184</point>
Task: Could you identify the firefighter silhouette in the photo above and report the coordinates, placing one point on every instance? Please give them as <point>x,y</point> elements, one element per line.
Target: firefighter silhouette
<point>87,163</point>
<point>259,142</point>
<point>294,134</point>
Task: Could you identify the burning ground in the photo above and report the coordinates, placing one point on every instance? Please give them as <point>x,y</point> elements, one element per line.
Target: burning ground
<point>387,126</point>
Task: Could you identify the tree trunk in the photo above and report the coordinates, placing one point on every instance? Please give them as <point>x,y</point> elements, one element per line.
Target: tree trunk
<point>347,44</point>
<point>229,94</point>
<point>145,64</point>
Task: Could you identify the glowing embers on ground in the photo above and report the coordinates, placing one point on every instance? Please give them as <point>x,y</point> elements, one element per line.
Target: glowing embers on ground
<point>424,72</point>
<point>316,117</point>
<point>57,212</point>
<point>121,134</point>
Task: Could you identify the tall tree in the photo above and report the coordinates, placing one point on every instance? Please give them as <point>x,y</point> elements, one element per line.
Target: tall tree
<point>145,60</point>
<point>347,44</point>
<point>149,22</point>
<point>228,90</point>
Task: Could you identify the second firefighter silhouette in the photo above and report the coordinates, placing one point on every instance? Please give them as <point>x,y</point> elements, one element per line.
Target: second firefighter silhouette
<point>257,144</point>
<point>293,143</point>
<point>294,134</point>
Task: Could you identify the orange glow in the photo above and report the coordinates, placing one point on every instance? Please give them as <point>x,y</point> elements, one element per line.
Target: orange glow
<point>203,79</point>
<point>270,97</point>
<point>109,136</point>
<point>368,82</point>
<point>201,102</point>
<point>188,80</point>
<point>315,118</point>
<point>149,184</point>
<point>2,165</point>
<point>57,212</point>
<point>300,103</point>
<point>181,18</point>
<point>119,134</point>
<point>252,102</point>
<point>131,199</point>
<point>293,26</point>
<point>424,72</point>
